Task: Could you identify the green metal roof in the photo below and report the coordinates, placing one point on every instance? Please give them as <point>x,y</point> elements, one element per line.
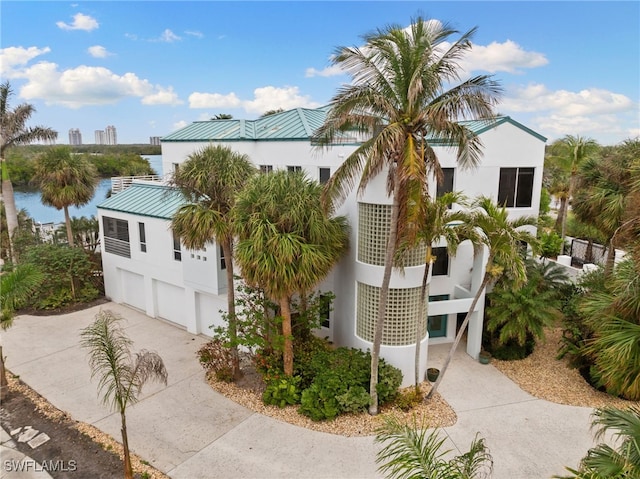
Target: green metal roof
<point>294,125</point>
<point>156,201</point>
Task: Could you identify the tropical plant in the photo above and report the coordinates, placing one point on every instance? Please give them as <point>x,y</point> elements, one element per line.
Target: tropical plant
<point>519,314</point>
<point>504,239</point>
<point>405,96</point>
<point>222,116</point>
<point>15,132</point>
<point>604,461</point>
<point>440,223</point>
<point>412,451</point>
<point>16,288</point>
<point>120,376</point>
<point>209,180</point>
<point>287,243</point>
<point>568,154</point>
<point>65,180</point>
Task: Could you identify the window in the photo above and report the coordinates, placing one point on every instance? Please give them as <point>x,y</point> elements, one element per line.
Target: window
<point>223,263</point>
<point>266,168</point>
<point>176,167</point>
<point>143,238</point>
<point>441,266</point>
<point>325,310</point>
<point>325,174</point>
<point>294,169</point>
<point>516,187</point>
<point>447,182</point>
<point>437,325</point>
<point>116,236</point>
<point>177,252</point>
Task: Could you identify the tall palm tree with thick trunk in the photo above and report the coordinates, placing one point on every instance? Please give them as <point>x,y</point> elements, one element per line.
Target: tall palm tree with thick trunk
<point>568,154</point>
<point>120,375</point>
<point>65,179</point>
<point>210,180</point>
<point>14,132</point>
<point>406,96</point>
<point>504,239</point>
<point>287,242</point>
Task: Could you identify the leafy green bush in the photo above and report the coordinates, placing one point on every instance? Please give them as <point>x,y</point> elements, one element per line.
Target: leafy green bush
<point>282,392</point>
<point>319,401</point>
<point>408,399</point>
<point>550,244</point>
<point>355,399</point>
<point>215,357</point>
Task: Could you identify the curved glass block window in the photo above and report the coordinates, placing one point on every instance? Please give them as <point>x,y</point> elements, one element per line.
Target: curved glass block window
<point>403,308</point>
<point>374,222</point>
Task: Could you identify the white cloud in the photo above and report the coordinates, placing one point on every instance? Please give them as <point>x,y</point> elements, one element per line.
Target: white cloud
<point>194,33</point>
<point>169,37</point>
<point>507,57</point>
<point>12,57</point>
<point>162,96</point>
<point>80,22</point>
<point>213,100</point>
<point>329,71</point>
<point>85,85</point>
<point>536,97</point>
<point>98,51</point>
<point>180,124</point>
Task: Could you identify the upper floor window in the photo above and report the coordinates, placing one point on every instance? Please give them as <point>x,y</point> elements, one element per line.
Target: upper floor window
<point>325,174</point>
<point>294,169</point>
<point>143,237</point>
<point>223,262</point>
<point>266,168</point>
<point>325,310</point>
<point>177,251</point>
<point>116,236</point>
<point>446,186</point>
<point>441,265</point>
<point>516,187</point>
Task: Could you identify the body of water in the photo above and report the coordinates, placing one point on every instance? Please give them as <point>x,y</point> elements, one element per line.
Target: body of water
<point>31,200</point>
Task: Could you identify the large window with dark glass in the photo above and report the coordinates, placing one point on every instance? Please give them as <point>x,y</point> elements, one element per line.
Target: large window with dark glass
<point>516,187</point>
<point>177,250</point>
<point>446,185</point>
<point>325,174</point>
<point>441,266</point>
<point>143,237</point>
<point>116,236</point>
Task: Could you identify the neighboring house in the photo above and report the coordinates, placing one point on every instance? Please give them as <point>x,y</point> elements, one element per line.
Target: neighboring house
<point>146,267</point>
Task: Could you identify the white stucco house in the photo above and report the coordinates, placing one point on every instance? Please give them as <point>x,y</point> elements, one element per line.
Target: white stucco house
<point>147,268</point>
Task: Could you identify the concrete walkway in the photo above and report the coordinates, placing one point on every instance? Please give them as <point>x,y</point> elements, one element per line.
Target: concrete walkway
<point>189,431</point>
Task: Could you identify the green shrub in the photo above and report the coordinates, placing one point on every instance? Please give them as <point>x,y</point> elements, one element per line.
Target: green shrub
<point>550,244</point>
<point>355,399</point>
<point>407,400</point>
<point>282,392</point>
<point>319,401</point>
<point>215,357</point>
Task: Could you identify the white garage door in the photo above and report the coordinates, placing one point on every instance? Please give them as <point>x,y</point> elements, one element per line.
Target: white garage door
<point>170,301</point>
<point>133,289</point>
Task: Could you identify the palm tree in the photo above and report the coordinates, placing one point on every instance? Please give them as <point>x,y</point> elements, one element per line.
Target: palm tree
<point>411,451</point>
<point>504,240</point>
<point>406,95</point>
<point>440,223</point>
<point>605,462</point>
<point>15,132</point>
<point>209,180</point>
<point>568,154</point>
<point>287,243</point>
<point>16,288</point>
<point>64,180</point>
<point>120,378</point>
<point>222,116</point>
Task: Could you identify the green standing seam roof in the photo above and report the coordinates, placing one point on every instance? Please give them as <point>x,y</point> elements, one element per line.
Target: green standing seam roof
<point>155,201</point>
<point>298,124</point>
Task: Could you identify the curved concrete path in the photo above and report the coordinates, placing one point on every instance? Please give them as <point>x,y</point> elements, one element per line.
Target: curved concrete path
<point>189,431</point>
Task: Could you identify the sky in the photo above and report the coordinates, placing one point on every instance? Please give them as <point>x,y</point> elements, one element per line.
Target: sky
<point>151,67</point>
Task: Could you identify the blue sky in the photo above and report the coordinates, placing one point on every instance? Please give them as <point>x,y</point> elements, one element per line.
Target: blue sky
<point>149,68</point>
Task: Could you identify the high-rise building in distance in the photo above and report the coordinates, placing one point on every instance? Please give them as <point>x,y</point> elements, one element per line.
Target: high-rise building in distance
<point>154,140</point>
<point>108,136</point>
<point>75,137</point>
<point>100,137</point>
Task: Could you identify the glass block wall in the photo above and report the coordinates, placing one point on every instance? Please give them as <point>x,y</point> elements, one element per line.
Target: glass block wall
<point>403,308</point>
<point>373,232</point>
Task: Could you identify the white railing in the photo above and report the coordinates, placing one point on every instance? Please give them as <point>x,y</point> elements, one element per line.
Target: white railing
<point>121,183</point>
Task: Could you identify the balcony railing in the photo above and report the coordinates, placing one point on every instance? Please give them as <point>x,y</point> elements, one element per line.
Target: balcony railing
<point>121,183</point>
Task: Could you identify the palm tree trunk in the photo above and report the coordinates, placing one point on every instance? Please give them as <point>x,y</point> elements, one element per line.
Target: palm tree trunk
<point>424,295</point>
<point>231,307</point>
<point>128,470</point>
<point>384,296</point>
<point>485,282</point>
<point>285,310</point>
<point>4,384</point>
<point>562,211</point>
<point>11,212</point>
<point>67,221</point>
<point>611,259</point>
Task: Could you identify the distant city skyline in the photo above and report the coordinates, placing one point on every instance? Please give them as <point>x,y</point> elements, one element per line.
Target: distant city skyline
<point>566,67</point>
